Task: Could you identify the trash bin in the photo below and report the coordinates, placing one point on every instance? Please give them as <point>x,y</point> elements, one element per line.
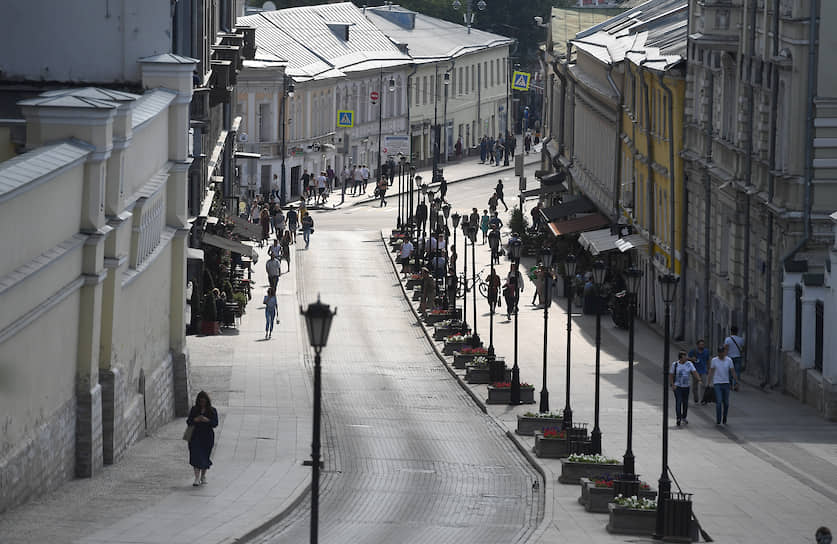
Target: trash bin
<point>677,519</point>
<point>497,370</point>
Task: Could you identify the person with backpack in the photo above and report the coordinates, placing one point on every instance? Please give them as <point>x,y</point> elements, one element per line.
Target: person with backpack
<point>682,372</point>
<point>307,228</point>
<point>735,350</point>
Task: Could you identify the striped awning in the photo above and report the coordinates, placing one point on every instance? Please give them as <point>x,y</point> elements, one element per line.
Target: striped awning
<point>633,241</point>
<point>598,241</point>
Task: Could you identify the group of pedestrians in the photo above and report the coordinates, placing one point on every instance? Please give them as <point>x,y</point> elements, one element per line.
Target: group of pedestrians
<point>709,380</point>
<point>497,150</point>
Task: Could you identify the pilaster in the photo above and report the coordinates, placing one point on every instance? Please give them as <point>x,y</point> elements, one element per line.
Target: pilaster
<point>788,313</point>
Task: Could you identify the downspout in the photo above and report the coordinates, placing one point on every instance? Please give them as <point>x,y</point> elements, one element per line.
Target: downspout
<point>707,219</point>
<point>617,162</point>
<point>479,93</point>
<point>773,353</point>
<point>748,169</point>
<point>649,154</point>
<point>409,100</point>
<point>672,209</point>
<point>445,114</point>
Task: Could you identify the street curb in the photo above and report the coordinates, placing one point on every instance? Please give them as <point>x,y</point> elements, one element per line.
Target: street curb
<point>548,491</point>
<point>255,532</point>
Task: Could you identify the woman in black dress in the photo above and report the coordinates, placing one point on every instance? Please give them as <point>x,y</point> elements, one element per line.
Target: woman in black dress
<point>204,418</point>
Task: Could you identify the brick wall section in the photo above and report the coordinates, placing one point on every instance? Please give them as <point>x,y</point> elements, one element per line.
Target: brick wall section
<point>182,393</point>
<point>159,394</point>
<point>43,462</point>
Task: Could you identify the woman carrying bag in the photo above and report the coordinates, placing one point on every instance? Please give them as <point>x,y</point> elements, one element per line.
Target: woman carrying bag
<point>203,418</point>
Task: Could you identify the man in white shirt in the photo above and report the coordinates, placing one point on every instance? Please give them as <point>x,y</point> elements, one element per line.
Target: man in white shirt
<point>274,270</point>
<point>735,350</point>
<point>321,187</point>
<point>358,179</point>
<point>364,171</point>
<point>720,370</point>
<point>404,256</point>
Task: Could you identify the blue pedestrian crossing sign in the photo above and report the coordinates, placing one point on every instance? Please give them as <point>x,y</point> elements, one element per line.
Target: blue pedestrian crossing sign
<point>345,118</point>
<point>520,81</point>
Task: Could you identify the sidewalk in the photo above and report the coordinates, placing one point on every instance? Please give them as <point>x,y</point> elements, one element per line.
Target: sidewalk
<point>466,169</point>
<point>770,476</point>
<point>263,398</point>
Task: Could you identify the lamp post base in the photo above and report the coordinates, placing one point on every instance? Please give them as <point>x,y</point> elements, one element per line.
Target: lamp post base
<point>544,404</point>
<point>515,385</point>
<point>596,441</point>
<point>663,493</point>
<point>568,417</point>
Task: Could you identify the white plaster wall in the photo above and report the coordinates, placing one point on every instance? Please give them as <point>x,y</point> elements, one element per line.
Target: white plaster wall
<point>149,151</point>
<point>141,333</point>
<point>37,372</point>
<point>82,40</point>
<point>42,217</point>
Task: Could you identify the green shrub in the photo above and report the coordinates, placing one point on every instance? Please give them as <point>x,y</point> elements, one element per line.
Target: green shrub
<point>241,300</point>
<point>518,222</point>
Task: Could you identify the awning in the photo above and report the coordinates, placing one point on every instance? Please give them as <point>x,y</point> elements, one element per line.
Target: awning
<point>554,178</point>
<point>598,241</point>
<point>551,147</point>
<point>568,208</point>
<point>579,224</point>
<point>633,241</point>
<point>246,229</point>
<point>231,245</point>
<point>194,254</point>
<point>243,155</point>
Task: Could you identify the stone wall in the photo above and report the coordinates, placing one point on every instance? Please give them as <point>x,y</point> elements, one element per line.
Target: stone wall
<point>41,463</point>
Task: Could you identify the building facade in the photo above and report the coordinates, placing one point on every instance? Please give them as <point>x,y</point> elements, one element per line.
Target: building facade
<point>760,118</point>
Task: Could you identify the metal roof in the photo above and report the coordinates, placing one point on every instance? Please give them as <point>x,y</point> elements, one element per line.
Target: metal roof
<point>308,38</point>
<point>655,30</point>
<point>428,37</point>
<point>19,172</point>
<point>150,105</point>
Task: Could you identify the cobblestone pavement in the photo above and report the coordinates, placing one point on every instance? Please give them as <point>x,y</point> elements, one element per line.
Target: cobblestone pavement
<point>408,456</point>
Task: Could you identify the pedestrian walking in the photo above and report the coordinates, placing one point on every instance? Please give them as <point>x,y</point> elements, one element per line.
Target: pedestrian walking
<point>305,180</point>
<point>421,216</point>
<point>484,225</point>
<point>203,418</point>
<point>494,244</point>
<point>293,223</point>
<point>307,228</point>
<point>491,145</point>
<point>483,149</point>
<point>322,179</point>
<point>511,290</point>
<point>735,351</point>
<point>279,222</point>
<point>330,177</point>
<point>538,277</point>
<point>357,179</point>
<point>391,170</point>
<point>405,255</point>
<point>286,248</point>
<point>275,251</point>
<point>364,174</point>
<point>699,356</point>
<point>512,143</point>
<point>271,305</point>
<point>313,181</point>
<point>428,290</point>
<point>720,370</point>
<point>527,143</point>
<point>493,290</point>
<point>682,373</point>
<point>381,192</point>
<point>495,223</point>
<point>264,221</point>
<point>498,190</point>
<point>274,270</point>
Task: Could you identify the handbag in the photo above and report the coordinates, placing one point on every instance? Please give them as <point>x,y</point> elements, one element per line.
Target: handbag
<point>187,434</point>
<point>709,394</point>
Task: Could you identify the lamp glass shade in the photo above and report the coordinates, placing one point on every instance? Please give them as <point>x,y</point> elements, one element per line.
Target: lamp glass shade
<point>599,272</point>
<point>455,217</point>
<point>632,278</point>
<point>447,78</point>
<point>494,240</point>
<point>423,186</point>
<point>515,246</point>
<point>291,89</point>
<point>546,257</point>
<point>668,284</point>
<point>457,4</point>
<point>472,233</point>
<point>481,5</point>
<point>391,85</point>
<point>446,210</point>
<point>569,265</point>
<point>318,318</point>
<point>465,225</point>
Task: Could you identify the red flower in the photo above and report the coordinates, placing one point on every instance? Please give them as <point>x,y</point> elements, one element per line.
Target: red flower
<point>553,433</point>
<point>501,385</point>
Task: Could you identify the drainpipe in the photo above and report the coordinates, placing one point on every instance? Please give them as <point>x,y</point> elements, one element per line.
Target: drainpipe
<point>649,153</point>
<point>672,209</point>
<point>748,170</point>
<point>563,77</point>
<point>707,219</point>
<point>617,162</point>
<point>409,100</point>
<point>813,27</point>
<point>773,352</point>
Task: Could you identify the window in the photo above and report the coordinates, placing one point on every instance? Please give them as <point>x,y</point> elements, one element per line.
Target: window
<point>264,122</point>
<point>725,233</point>
<point>722,19</point>
<point>461,87</point>
<point>452,91</point>
<point>424,90</point>
<point>418,92</point>
<point>485,75</point>
<point>492,74</point>
<point>473,78</point>
<point>434,89</point>
<point>728,101</point>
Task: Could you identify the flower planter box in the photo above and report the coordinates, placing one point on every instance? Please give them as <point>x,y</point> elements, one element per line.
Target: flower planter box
<point>449,314</point>
<point>550,448</point>
<point>502,395</point>
<point>572,473</point>
<point>210,328</point>
<point>630,521</point>
<point>474,375</point>
<point>451,347</point>
<point>526,426</point>
<point>440,333</point>
<point>461,360</point>
<point>596,499</point>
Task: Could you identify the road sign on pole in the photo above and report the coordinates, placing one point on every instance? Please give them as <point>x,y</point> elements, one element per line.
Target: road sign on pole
<point>520,81</point>
<point>345,118</point>
<point>374,96</point>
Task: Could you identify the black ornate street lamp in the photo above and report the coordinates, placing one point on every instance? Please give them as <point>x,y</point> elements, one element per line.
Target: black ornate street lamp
<point>494,244</point>
<point>446,230</point>
<point>515,247</point>
<point>569,269</point>
<point>668,287</point>
<point>629,484</point>
<point>599,271</point>
<point>465,229</point>
<point>455,217</point>
<point>472,235</point>
<point>402,161</point>
<point>424,248</point>
<point>318,318</point>
<point>411,218</point>
<point>546,262</point>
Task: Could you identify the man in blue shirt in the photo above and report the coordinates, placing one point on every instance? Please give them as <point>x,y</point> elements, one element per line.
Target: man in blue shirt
<point>700,358</point>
